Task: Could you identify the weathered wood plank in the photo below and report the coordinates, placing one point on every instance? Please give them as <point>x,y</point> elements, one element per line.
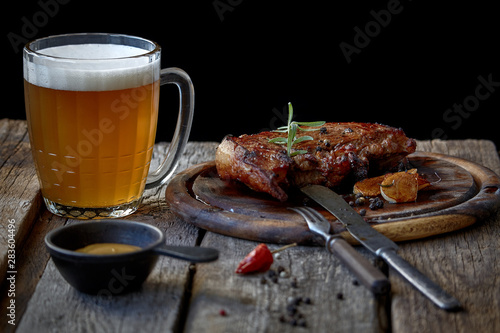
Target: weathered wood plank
<point>31,261</point>
<point>19,191</point>
<point>157,307</point>
<point>57,307</point>
<point>254,303</point>
<point>465,263</point>
<point>483,152</point>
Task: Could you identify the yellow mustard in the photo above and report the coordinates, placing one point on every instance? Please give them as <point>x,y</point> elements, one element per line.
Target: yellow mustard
<point>108,248</point>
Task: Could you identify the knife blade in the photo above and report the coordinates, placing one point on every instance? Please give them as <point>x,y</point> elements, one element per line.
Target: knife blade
<point>379,245</point>
<point>370,276</point>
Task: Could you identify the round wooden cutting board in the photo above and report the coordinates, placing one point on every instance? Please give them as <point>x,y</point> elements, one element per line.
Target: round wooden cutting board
<point>462,193</point>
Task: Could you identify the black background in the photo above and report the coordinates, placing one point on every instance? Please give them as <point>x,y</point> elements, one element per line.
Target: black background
<point>248,59</point>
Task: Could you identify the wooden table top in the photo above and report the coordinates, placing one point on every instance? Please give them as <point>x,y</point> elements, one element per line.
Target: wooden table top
<point>210,297</point>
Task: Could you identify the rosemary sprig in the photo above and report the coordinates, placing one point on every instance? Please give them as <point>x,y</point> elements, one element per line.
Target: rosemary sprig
<point>291,129</point>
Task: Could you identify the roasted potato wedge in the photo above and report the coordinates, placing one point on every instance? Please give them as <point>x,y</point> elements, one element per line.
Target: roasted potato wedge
<point>422,182</point>
<point>400,187</point>
<point>369,187</point>
<point>394,187</point>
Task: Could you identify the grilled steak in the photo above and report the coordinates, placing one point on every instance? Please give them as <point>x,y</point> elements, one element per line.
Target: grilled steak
<point>338,152</point>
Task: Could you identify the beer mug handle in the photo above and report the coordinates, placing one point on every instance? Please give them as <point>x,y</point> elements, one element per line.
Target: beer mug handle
<point>186,109</point>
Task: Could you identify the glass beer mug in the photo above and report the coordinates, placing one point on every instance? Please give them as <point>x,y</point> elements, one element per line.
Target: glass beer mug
<point>92,109</point>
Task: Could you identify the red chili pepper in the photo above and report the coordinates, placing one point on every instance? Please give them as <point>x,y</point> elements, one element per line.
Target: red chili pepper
<point>259,260</point>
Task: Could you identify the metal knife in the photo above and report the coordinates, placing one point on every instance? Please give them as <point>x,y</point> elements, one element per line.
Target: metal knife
<point>370,276</point>
<point>379,244</point>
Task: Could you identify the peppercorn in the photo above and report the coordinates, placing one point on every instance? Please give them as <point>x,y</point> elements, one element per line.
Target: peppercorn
<point>360,201</point>
<point>376,203</point>
<point>294,316</point>
<point>348,130</point>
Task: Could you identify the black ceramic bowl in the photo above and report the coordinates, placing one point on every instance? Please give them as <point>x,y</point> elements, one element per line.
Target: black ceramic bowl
<point>114,274</point>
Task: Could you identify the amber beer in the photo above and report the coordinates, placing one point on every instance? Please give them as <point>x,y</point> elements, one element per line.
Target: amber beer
<point>92,122</point>
<point>92,148</point>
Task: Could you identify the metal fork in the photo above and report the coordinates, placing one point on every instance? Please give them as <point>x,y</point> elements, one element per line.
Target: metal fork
<point>366,273</point>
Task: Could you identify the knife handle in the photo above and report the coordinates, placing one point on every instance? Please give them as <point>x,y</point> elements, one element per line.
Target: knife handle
<point>425,285</point>
<point>370,276</point>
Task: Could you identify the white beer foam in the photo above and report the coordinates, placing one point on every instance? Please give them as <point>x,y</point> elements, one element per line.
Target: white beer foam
<point>92,67</point>
<point>93,51</point>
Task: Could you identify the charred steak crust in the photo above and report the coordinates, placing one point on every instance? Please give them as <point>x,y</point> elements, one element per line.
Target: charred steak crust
<point>338,151</point>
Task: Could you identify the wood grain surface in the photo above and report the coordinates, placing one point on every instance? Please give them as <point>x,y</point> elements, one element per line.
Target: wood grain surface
<point>462,193</point>
<point>19,193</point>
<point>180,297</point>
